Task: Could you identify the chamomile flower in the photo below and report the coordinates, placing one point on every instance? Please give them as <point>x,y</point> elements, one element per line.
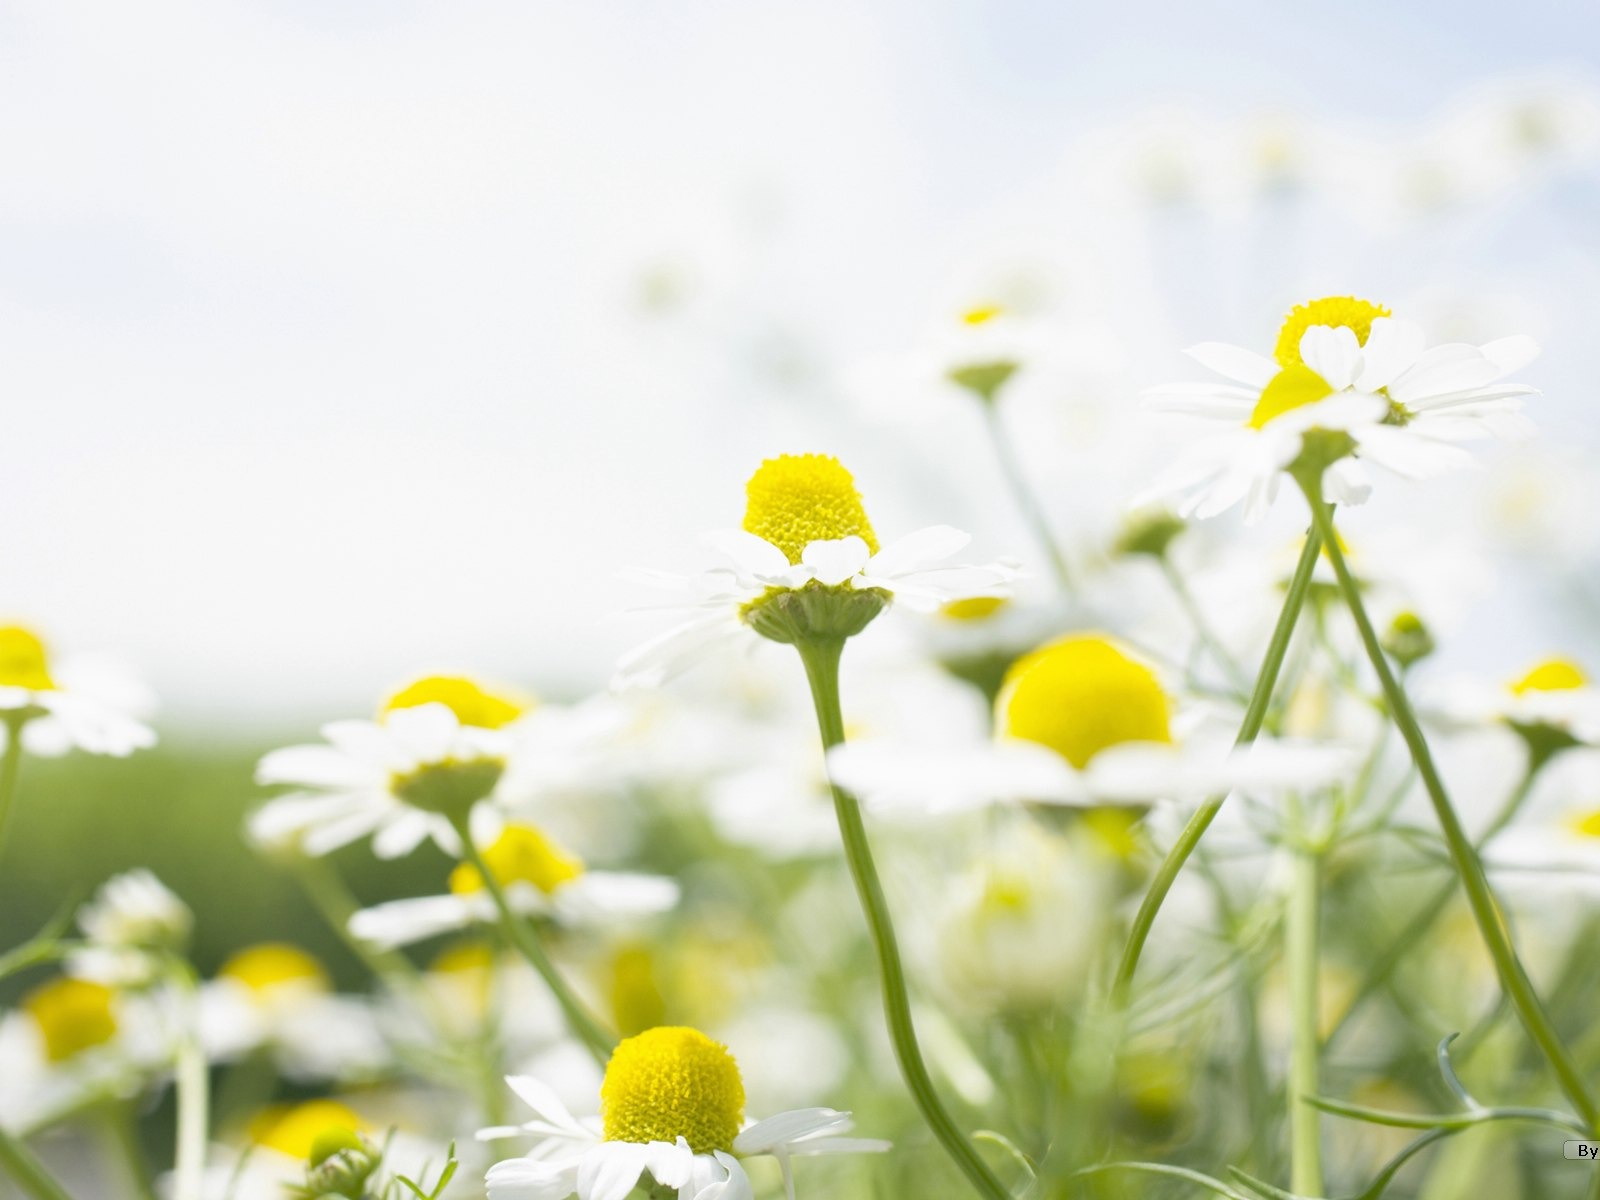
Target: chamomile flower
<point>539,877</point>
<point>1078,721</point>
<point>1553,704</point>
<point>130,923</point>
<point>672,1108</point>
<point>436,750</point>
<point>71,1039</point>
<point>278,998</point>
<point>971,354</point>
<point>806,562</point>
<point>67,705</point>
<point>1344,366</point>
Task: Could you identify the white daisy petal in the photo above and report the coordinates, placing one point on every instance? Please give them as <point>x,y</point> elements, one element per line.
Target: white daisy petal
<point>918,550</point>
<point>611,1169</point>
<point>1333,353</point>
<point>833,562</point>
<point>1235,362</point>
<point>787,1127</point>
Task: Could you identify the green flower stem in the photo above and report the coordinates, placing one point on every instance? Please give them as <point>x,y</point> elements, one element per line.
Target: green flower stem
<point>1300,955</point>
<point>1202,628</point>
<point>321,881</point>
<point>821,659</point>
<point>1513,978</point>
<point>20,1163</point>
<point>521,935</point>
<point>1022,494</point>
<point>1254,716</point>
<point>122,1135</point>
<point>193,1086</point>
<point>10,767</point>
<point>1417,928</point>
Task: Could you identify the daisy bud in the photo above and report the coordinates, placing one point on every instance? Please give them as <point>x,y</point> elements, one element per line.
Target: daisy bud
<point>1149,533</point>
<point>1408,640</point>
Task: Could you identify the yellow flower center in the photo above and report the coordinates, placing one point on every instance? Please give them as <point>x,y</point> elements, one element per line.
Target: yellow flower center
<point>472,703</point>
<point>672,1082</point>
<point>1355,315</point>
<point>521,854</point>
<point>271,965</point>
<point>796,499</point>
<point>982,314</point>
<point>1004,893</point>
<point>295,1129</point>
<point>73,1015</point>
<point>1079,695</point>
<point>1293,387</point>
<point>1588,825</point>
<point>1552,675</point>
<point>974,608</point>
<point>23,661</point>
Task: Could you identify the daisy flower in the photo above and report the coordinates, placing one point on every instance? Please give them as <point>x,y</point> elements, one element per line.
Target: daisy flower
<point>806,562</point>
<point>1343,366</point>
<point>437,748</point>
<point>1553,706</point>
<point>277,997</point>
<point>539,878</point>
<point>67,705</point>
<point>1080,721</point>
<point>974,353</point>
<point>672,1107</point>
<point>130,922</point>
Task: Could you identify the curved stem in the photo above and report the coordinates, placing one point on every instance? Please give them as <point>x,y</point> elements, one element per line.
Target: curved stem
<point>521,935</point>
<point>821,659</point>
<point>1022,494</point>
<point>1254,716</point>
<point>1300,955</point>
<point>1513,978</point>
<point>10,766</point>
<point>321,881</point>
<point>19,1163</point>
<point>1202,628</point>
<point>1423,920</point>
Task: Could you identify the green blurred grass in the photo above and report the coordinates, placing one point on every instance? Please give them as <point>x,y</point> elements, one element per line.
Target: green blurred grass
<point>179,810</point>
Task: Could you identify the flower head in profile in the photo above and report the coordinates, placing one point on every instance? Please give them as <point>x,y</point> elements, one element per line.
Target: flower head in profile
<point>1080,721</point>
<point>805,563</point>
<point>61,706</point>
<point>437,749</point>
<point>277,998</point>
<point>1347,369</point>
<point>1552,706</point>
<point>539,878</point>
<point>671,1107</point>
<point>130,924</point>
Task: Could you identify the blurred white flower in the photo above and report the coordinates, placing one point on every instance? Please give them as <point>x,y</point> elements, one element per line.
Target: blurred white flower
<point>130,922</point>
<point>276,996</point>
<point>1079,721</point>
<point>672,1107</point>
<point>539,878</point>
<point>71,704</point>
<point>1554,697</point>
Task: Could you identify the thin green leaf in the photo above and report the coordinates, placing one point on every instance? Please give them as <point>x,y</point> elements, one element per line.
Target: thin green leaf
<point>1215,1186</point>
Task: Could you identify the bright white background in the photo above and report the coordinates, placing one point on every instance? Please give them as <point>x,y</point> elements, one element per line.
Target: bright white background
<point>326,348</point>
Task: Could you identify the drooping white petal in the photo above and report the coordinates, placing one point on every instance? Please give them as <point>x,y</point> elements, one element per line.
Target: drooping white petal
<point>752,555</point>
<point>1511,353</point>
<point>668,653</point>
<point>597,895</point>
<point>917,551</point>
<point>525,1179</point>
<point>313,766</point>
<point>1235,362</point>
<point>401,922</point>
<point>610,1170</point>
<point>786,1127</point>
<point>546,1104</point>
<point>1452,367</point>
<point>1409,455</point>
<point>1391,347</point>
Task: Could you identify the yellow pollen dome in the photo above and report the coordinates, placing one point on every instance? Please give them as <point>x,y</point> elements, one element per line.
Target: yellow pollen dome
<point>1552,675</point>
<point>270,965</point>
<point>294,1129</point>
<point>973,608</point>
<point>73,1015</point>
<point>1080,695</point>
<point>982,314</point>
<point>521,854</point>
<point>672,1082</point>
<point>23,661</point>
<point>1355,315</point>
<point>796,499</point>
<point>472,703</point>
<point>1293,387</point>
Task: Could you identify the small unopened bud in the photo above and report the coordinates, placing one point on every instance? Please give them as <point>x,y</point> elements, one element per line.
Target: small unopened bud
<point>1408,640</point>
<point>340,1164</point>
<point>1148,533</point>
